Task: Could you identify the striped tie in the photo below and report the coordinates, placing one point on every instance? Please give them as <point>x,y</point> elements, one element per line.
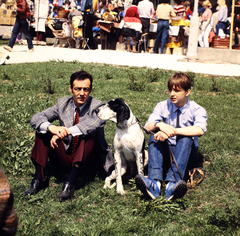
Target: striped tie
<point>75,138</point>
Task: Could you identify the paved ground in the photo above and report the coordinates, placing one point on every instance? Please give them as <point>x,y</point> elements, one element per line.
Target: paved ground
<point>168,62</point>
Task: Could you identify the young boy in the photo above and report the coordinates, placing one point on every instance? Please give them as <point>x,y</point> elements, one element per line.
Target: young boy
<point>177,123</point>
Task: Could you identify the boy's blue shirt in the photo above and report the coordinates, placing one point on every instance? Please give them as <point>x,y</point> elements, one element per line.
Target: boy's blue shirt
<point>191,114</point>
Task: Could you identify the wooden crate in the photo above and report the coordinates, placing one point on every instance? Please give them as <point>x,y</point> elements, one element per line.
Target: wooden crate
<point>7,20</point>
<point>221,42</point>
<point>12,19</point>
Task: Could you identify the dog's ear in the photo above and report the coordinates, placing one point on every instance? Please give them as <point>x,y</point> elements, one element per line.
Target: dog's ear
<point>115,104</point>
<point>121,108</point>
<point>123,112</point>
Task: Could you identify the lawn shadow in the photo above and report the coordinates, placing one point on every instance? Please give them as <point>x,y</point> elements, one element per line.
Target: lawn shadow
<point>87,176</point>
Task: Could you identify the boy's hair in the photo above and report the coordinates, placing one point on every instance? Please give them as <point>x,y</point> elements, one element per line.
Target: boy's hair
<point>80,75</point>
<point>179,80</point>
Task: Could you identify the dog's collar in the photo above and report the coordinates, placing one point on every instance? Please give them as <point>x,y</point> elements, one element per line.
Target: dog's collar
<point>129,125</point>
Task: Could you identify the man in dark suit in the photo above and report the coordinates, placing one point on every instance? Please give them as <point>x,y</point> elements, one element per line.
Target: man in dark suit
<point>78,141</point>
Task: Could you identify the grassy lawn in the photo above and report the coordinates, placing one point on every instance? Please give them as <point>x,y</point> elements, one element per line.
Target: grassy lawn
<point>4,41</point>
<point>211,208</point>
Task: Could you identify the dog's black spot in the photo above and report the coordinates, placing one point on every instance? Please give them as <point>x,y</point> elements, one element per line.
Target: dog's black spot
<point>120,107</point>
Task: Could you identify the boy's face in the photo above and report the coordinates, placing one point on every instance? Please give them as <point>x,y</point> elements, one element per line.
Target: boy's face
<point>179,96</point>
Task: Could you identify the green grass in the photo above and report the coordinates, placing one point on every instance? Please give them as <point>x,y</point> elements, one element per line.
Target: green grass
<point>211,208</point>
<point>4,41</point>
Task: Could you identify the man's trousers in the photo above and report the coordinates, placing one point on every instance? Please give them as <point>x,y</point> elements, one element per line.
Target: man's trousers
<point>88,152</point>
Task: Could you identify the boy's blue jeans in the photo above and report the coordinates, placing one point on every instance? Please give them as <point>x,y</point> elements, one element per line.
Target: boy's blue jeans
<point>19,23</point>
<point>162,34</point>
<point>184,151</point>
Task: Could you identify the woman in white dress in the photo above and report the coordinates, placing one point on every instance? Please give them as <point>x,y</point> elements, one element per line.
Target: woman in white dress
<point>41,14</point>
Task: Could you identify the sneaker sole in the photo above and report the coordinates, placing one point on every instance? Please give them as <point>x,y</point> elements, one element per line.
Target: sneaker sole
<point>179,191</point>
<point>143,188</point>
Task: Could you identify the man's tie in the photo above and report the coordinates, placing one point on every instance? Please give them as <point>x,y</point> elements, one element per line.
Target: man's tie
<point>75,138</point>
<point>178,114</point>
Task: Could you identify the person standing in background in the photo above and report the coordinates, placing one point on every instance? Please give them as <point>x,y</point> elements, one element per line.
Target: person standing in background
<point>23,13</point>
<point>145,11</point>
<point>164,13</point>
<point>222,16</point>
<point>205,25</point>
<point>41,14</point>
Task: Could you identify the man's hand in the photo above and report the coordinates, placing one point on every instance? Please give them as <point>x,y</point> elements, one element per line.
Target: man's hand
<point>53,141</point>
<point>60,131</point>
<point>160,136</point>
<point>169,130</point>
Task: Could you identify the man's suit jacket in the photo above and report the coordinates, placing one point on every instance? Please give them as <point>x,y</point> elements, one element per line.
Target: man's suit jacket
<point>89,123</point>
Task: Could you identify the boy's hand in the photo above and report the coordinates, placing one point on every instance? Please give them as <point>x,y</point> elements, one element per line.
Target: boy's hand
<point>160,136</point>
<point>169,130</point>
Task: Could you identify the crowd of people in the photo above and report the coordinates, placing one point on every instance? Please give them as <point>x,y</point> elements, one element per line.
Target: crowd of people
<point>134,16</point>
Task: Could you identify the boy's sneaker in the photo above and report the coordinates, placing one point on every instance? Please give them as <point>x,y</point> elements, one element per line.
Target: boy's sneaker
<point>30,50</point>
<point>149,187</point>
<point>175,190</point>
<point>8,48</point>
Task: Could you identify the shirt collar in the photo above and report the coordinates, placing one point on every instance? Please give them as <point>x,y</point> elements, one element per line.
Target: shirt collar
<point>182,109</point>
<point>80,108</point>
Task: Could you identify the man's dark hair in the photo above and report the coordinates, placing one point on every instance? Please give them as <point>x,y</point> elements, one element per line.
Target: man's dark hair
<point>179,80</point>
<point>164,1</point>
<point>135,2</point>
<point>80,75</point>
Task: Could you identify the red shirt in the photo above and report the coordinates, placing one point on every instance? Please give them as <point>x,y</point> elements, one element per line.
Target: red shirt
<point>132,12</point>
<point>189,11</point>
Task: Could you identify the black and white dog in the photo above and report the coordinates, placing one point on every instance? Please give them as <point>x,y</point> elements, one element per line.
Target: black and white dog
<point>128,141</point>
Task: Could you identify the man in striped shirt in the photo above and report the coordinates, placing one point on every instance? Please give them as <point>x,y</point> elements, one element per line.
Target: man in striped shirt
<point>179,8</point>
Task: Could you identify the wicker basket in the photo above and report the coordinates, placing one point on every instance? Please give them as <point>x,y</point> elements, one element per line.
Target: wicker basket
<point>219,42</point>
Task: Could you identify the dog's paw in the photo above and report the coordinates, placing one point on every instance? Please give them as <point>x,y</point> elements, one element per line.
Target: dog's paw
<point>113,185</point>
<point>106,186</point>
<point>107,183</point>
<point>121,191</point>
